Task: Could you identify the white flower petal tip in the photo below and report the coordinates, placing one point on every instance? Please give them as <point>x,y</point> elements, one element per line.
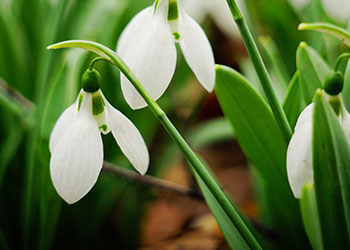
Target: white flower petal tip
<point>197,51</point>
<point>129,139</point>
<point>77,149</point>
<point>299,154</point>
<point>77,160</point>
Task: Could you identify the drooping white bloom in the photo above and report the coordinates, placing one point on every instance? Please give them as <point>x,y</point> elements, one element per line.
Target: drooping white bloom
<point>147,45</point>
<point>76,144</point>
<point>299,153</point>
<point>217,10</point>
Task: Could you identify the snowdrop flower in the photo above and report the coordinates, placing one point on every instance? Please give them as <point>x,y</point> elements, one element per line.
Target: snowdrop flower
<point>76,144</point>
<point>219,12</point>
<point>299,152</point>
<point>147,45</point>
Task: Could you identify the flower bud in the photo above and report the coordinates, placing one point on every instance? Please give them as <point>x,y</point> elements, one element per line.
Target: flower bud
<point>91,80</point>
<point>333,83</point>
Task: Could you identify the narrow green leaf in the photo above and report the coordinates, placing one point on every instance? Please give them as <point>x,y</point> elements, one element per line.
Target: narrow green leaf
<point>232,235</point>
<point>310,216</point>
<point>331,163</point>
<point>312,69</point>
<point>328,28</point>
<point>293,103</point>
<point>258,134</point>
<point>253,124</point>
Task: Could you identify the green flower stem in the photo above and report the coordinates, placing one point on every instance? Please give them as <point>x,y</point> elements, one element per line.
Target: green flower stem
<point>340,59</point>
<point>261,70</point>
<point>199,167</point>
<point>96,59</point>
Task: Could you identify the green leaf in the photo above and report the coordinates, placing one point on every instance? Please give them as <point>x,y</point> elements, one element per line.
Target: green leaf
<point>328,28</point>
<point>312,69</point>
<point>331,164</point>
<point>232,235</point>
<point>310,216</point>
<point>252,122</point>
<point>262,142</point>
<point>293,103</point>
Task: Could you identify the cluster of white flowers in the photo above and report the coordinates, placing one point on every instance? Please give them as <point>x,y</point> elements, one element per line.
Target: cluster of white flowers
<point>147,45</point>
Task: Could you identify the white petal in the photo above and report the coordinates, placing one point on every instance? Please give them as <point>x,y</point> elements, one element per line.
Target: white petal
<point>299,153</point>
<point>128,138</point>
<point>221,14</point>
<point>130,33</point>
<point>305,116</point>
<point>77,159</point>
<point>339,10</point>
<point>65,120</point>
<point>299,4</point>
<point>197,9</point>
<point>346,122</point>
<point>197,51</point>
<point>150,54</point>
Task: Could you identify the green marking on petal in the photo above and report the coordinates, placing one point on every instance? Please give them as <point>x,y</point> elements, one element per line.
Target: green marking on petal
<point>155,6</point>
<point>176,36</point>
<point>98,105</point>
<point>80,101</point>
<point>173,12</point>
<point>104,127</point>
<point>335,102</point>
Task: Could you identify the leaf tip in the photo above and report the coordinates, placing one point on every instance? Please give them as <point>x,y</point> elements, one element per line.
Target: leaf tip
<point>318,93</point>
<point>302,45</point>
<point>217,67</point>
<point>302,26</point>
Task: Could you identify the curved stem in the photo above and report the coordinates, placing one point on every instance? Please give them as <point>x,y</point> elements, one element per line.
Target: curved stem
<point>96,59</point>
<point>261,70</point>
<point>340,59</point>
<point>192,158</point>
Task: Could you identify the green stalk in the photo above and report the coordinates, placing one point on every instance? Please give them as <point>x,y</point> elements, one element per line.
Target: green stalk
<point>342,57</point>
<point>261,70</point>
<point>199,167</point>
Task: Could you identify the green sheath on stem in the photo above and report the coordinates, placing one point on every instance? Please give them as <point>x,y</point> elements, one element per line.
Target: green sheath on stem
<point>261,70</point>
<point>197,164</point>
